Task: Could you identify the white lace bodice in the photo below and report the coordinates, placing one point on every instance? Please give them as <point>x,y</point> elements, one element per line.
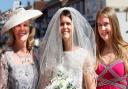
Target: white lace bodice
<point>73,64</point>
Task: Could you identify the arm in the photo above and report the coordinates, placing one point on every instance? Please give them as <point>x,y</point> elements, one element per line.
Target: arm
<point>89,80</point>
<point>3,73</point>
<point>90,76</point>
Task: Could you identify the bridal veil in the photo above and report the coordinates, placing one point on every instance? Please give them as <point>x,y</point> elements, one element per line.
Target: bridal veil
<point>51,47</point>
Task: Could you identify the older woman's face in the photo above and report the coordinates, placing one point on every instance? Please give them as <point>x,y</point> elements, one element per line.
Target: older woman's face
<point>66,27</point>
<point>21,31</point>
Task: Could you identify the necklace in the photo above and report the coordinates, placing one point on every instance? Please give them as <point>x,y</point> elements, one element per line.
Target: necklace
<point>108,58</point>
<point>24,59</point>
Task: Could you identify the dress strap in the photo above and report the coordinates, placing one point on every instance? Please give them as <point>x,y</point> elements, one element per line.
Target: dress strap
<point>116,81</point>
<point>109,68</point>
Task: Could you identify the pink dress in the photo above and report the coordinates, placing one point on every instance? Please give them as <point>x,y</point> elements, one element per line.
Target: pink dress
<point>112,76</point>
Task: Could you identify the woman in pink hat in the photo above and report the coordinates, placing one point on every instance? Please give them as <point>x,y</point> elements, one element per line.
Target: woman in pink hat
<point>18,64</point>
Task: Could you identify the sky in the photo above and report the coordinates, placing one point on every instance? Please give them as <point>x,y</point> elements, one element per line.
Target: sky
<point>8,4</point>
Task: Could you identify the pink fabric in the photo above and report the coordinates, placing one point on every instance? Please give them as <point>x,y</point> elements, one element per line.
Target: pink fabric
<point>112,76</point>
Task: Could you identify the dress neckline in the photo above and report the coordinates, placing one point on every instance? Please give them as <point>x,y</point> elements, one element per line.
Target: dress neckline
<point>73,51</point>
<point>112,63</point>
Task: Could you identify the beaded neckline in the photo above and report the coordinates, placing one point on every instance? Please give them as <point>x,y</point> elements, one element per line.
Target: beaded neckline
<point>24,59</point>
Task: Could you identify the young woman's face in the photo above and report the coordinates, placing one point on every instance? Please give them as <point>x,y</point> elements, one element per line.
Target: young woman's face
<point>104,28</point>
<point>21,31</point>
<point>66,27</point>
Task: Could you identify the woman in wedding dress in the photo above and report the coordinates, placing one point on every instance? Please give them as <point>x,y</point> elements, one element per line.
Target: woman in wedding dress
<point>68,52</point>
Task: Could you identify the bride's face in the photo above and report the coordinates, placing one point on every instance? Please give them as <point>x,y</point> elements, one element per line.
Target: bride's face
<point>66,27</point>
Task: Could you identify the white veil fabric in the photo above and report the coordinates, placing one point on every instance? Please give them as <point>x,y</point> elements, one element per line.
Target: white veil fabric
<point>51,47</point>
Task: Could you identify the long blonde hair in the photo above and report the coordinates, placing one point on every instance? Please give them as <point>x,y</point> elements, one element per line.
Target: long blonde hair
<point>118,43</point>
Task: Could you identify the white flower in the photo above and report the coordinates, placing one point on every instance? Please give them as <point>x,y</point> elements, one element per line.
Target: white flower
<point>61,80</point>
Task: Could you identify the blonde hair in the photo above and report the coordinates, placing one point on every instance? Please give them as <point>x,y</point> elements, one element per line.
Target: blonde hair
<point>30,40</point>
<point>118,43</point>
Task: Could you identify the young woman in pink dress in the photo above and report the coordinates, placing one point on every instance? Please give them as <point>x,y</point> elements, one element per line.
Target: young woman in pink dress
<point>112,56</point>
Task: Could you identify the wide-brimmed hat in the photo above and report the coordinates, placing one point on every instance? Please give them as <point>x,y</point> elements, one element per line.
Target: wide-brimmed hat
<point>18,16</point>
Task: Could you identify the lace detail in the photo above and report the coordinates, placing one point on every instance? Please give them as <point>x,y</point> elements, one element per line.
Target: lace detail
<point>72,68</point>
<point>3,72</point>
<point>20,76</point>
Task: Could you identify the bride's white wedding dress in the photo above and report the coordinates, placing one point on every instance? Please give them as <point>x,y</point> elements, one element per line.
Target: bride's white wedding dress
<point>72,66</point>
